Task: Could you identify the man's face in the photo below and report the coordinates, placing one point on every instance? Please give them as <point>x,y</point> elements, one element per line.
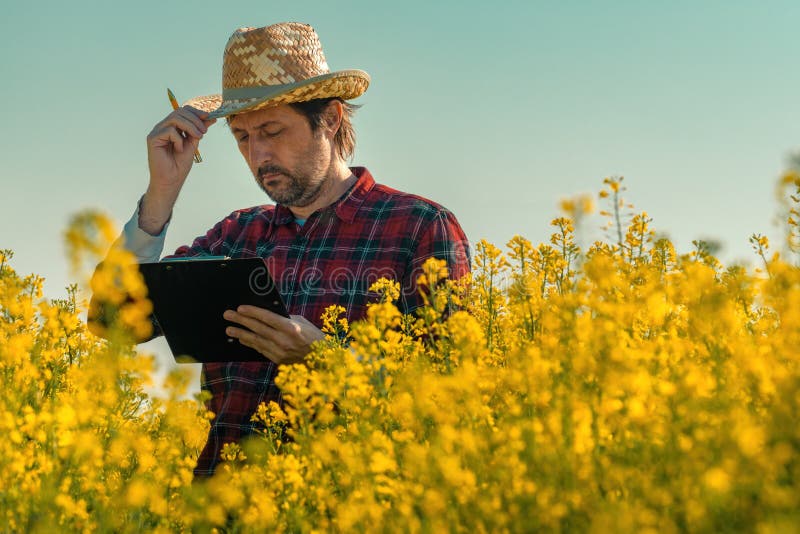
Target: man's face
<point>288,160</point>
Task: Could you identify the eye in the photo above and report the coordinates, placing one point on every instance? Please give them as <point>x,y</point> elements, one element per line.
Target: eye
<point>275,133</point>
<point>242,139</point>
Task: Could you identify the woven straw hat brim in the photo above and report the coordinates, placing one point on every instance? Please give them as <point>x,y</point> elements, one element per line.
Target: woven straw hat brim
<point>345,84</point>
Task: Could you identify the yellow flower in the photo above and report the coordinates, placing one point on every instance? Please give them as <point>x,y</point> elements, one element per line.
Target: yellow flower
<point>380,462</point>
<point>717,479</point>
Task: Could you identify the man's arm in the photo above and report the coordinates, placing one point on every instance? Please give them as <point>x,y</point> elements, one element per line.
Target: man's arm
<point>170,154</point>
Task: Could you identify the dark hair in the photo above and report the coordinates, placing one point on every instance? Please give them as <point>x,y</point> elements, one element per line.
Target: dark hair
<point>314,110</point>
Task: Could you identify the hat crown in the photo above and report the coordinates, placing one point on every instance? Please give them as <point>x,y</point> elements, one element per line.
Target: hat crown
<point>283,53</point>
<point>274,65</point>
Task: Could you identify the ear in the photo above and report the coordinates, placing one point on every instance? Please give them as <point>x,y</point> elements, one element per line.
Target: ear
<point>333,117</point>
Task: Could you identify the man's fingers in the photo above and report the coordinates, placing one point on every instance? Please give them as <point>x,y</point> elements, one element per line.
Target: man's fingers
<point>187,123</point>
<point>180,120</point>
<point>278,322</point>
<point>250,339</point>
<point>190,115</point>
<point>171,135</point>
<point>253,324</point>
<point>263,315</point>
<point>282,339</point>
<point>175,138</point>
<point>200,114</point>
<point>198,117</point>
<point>184,124</point>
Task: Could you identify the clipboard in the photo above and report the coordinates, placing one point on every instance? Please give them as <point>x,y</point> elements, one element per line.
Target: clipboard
<point>189,297</point>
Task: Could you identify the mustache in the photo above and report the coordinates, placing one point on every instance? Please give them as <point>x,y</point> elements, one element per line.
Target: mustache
<point>271,169</point>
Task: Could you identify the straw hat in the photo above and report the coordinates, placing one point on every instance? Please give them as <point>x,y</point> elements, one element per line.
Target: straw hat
<point>274,65</point>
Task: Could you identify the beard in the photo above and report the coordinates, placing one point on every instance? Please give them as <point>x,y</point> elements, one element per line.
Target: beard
<point>299,191</point>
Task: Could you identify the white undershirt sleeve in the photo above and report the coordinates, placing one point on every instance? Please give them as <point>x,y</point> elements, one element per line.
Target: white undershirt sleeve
<point>146,247</point>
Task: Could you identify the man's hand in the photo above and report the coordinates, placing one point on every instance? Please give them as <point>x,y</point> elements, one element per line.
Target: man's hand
<point>170,153</point>
<point>171,145</point>
<point>280,339</point>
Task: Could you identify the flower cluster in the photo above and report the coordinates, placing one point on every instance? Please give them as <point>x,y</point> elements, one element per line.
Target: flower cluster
<point>85,447</point>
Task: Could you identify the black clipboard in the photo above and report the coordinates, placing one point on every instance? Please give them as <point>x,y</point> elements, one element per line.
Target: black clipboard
<point>190,296</point>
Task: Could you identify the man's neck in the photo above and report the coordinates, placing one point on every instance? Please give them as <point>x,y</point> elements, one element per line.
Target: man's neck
<point>339,181</point>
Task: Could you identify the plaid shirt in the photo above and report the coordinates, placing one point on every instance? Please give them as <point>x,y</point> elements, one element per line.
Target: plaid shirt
<point>372,231</point>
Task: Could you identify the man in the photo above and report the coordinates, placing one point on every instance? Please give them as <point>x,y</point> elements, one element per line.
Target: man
<point>332,232</point>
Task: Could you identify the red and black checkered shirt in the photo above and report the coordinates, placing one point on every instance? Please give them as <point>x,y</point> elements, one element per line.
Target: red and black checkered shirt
<point>372,231</point>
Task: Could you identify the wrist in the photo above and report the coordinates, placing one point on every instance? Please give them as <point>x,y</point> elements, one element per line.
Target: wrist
<point>155,211</point>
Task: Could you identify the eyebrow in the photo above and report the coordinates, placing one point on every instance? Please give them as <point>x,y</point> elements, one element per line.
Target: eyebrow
<point>262,125</point>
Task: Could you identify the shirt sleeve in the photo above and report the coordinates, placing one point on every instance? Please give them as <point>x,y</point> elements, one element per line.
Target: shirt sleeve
<point>146,247</point>
<point>443,239</point>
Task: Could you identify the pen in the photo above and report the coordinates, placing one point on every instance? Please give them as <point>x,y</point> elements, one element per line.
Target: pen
<point>175,105</point>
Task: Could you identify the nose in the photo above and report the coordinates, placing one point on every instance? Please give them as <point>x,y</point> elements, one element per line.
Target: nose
<point>259,151</point>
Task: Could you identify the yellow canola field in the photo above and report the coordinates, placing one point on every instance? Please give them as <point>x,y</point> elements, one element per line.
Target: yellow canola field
<point>621,388</point>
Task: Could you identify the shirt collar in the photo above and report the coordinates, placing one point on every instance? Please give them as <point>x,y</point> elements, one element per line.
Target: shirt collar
<point>348,204</point>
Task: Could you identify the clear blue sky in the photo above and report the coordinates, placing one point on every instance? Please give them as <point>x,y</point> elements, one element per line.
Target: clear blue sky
<point>497,112</point>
